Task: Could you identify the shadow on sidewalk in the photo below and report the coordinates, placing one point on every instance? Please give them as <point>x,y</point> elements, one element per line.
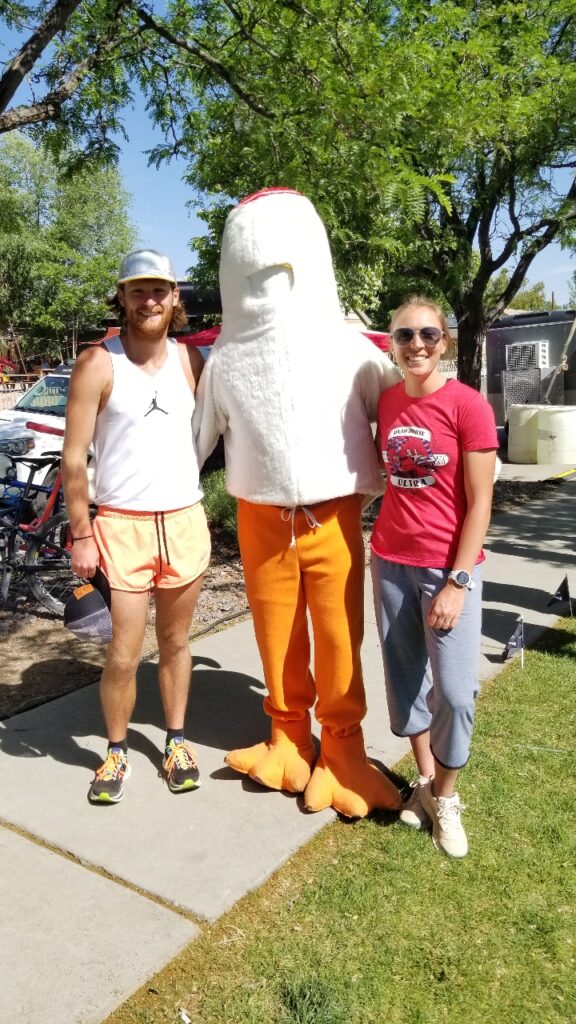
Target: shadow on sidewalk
<point>224,712</point>
<point>536,533</point>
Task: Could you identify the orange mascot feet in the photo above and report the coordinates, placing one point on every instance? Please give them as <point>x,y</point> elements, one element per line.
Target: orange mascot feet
<point>345,780</point>
<point>284,762</point>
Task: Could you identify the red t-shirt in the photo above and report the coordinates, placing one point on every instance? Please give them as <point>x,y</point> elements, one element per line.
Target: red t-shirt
<point>422,441</point>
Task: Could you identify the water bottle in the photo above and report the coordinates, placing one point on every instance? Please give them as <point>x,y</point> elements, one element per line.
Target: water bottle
<point>10,493</point>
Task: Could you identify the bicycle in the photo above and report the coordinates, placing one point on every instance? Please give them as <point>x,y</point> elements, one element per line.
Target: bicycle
<point>36,546</point>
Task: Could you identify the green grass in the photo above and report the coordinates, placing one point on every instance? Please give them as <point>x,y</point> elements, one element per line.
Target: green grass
<point>219,505</point>
<point>370,925</point>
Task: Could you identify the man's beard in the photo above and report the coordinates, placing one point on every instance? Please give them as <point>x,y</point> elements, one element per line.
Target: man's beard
<point>149,327</point>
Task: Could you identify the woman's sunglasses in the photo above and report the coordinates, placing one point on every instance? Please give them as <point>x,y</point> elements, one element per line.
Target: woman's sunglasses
<point>429,335</point>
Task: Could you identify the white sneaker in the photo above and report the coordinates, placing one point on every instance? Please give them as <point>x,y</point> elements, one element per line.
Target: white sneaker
<point>447,831</point>
<point>413,813</point>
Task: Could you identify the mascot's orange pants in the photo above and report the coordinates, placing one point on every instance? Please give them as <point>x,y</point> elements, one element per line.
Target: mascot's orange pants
<point>290,565</point>
<point>295,560</point>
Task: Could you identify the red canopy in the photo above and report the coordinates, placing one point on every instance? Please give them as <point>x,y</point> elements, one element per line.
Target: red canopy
<point>112,332</point>
<point>380,338</point>
<point>201,338</point>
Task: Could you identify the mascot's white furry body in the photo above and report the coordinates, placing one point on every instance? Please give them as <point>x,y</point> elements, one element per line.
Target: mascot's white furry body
<point>293,391</point>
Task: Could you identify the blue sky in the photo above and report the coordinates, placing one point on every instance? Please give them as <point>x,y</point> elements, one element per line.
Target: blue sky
<point>159,209</point>
<point>160,214</point>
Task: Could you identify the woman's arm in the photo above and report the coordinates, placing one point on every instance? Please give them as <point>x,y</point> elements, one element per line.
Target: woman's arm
<point>478,484</point>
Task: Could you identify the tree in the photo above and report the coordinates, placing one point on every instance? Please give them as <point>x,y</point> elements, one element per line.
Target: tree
<point>430,136</point>
<point>83,59</point>
<point>61,239</point>
<point>530,297</point>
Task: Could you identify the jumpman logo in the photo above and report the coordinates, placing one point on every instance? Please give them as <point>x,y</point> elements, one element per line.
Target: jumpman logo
<point>154,407</point>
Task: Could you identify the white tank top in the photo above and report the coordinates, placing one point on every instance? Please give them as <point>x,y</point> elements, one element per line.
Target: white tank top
<point>145,456</point>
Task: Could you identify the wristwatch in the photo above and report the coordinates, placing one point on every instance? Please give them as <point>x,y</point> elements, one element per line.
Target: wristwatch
<point>462,579</point>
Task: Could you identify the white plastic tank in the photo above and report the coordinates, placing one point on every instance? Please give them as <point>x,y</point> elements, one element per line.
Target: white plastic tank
<point>523,433</point>
<point>557,435</point>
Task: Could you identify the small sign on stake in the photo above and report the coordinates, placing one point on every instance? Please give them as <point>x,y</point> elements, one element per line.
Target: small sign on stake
<point>515,643</point>
<point>561,595</point>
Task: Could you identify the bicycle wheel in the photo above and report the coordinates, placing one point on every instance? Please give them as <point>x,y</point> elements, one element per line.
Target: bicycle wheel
<point>9,542</point>
<point>47,563</point>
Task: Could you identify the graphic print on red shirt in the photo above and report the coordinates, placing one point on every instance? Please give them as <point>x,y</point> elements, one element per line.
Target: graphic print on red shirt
<point>410,457</point>
<point>422,442</point>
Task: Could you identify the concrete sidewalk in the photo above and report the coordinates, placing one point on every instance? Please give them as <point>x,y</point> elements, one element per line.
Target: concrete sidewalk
<point>69,870</point>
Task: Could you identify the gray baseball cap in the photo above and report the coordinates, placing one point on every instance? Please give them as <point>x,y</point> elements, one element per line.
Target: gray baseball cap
<point>87,610</point>
<point>143,263</point>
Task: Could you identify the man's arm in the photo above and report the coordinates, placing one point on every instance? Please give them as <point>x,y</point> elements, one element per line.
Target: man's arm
<point>192,363</point>
<point>378,373</point>
<point>90,386</point>
<point>209,420</point>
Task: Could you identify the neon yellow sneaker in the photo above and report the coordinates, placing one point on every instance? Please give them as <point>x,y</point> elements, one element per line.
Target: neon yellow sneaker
<point>180,765</point>
<point>108,783</point>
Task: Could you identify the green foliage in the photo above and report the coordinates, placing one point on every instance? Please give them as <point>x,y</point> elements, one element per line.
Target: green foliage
<point>428,135</point>
<point>572,293</point>
<point>61,238</point>
<point>219,505</point>
<point>530,297</point>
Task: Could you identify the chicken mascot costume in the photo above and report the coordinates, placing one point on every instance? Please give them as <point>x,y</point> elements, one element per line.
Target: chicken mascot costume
<point>293,391</point>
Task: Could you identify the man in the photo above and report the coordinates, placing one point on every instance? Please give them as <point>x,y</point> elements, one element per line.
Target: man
<point>133,399</point>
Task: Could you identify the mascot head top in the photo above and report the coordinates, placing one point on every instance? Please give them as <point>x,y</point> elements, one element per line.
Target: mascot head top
<point>276,260</point>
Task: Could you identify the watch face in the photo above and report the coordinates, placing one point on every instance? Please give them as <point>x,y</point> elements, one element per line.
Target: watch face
<point>462,578</point>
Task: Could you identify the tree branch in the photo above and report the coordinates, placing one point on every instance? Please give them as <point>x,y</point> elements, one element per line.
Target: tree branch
<point>204,57</point>
<point>247,33</point>
<point>536,246</point>
<point>512,204</point>
<point>49,109</point>
<point>477,189</point>
<point>29,53</point>
<point>567,24</point>
<point>19,117</point>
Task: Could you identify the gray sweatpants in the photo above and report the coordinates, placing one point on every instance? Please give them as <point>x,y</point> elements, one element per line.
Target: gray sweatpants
<point>431,674</point>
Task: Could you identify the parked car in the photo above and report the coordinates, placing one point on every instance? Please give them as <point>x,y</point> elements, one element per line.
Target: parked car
<point>14,441</point>
<point>39,415</point>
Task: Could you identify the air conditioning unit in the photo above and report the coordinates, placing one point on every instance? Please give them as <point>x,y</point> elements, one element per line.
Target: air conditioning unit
<point>527,355</point>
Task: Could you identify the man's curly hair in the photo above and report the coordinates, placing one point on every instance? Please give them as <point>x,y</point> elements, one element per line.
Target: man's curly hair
<point>177,323</point>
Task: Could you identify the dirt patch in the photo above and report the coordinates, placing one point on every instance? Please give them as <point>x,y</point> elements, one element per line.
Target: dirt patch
<point>509,494</point>
<point>40,660</point>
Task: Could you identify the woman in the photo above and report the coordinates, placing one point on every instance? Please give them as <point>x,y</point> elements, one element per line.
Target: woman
<point>438,443</point>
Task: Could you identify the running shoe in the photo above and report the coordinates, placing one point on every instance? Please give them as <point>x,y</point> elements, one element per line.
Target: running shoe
<point>180,766</point>
<point>413,813</point>
<point>108,784</point>
<point>447,831</point>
